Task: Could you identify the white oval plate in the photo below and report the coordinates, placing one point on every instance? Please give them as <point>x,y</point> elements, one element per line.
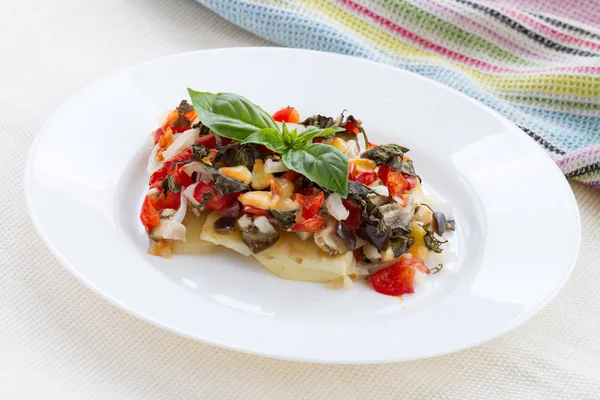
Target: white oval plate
<point>518,224</point>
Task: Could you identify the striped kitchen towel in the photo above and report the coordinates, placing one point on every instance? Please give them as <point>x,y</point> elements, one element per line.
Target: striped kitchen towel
<point>535,61</point>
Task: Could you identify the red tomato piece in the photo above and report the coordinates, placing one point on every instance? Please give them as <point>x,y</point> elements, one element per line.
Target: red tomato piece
<point>412,181</point>
<point>200,189</point>
<point>291,176</point>
<point>309,225</point>
<point>288,114</point>
<point>310,204</point>
<point>159,175</point>
<point>183,156</point>
<point>157,134</point>
<point>182,178</point>
<point>208,141</point>
<point>354,217</point>
<point>383,173</point>
<point>233,210</point>
<point>352,171</point>
<point>149,215</point>
<point>171,200</point>
<point>396,183</point>
<point>217,203</point>
<point>156,185</point>
<point>179,129</point>
<point>420,264</point>
<point>350,126</point>
<point>398,278</point>
<point>310,191</point>
<point>367,177</point>
<point>255,211</point>
<point>221,203</point>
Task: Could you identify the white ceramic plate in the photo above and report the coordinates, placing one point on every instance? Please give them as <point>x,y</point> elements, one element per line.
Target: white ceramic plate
<point>517,221</point>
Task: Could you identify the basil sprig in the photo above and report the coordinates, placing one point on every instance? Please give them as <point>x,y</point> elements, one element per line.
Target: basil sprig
<point>235,117</point>
<point>230,115</point>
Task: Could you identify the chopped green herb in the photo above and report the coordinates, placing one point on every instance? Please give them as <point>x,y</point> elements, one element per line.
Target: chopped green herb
<point>285,219</point>
<point>169,185</point>
<point>320,121</point>
<point>437,269</point>
<point>384,153</point>
<point>403,166</point>
<point>199,151</point>
<point>430,240</point>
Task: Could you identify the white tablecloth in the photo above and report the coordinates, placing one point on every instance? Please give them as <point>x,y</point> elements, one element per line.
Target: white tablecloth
<point>60,341</point>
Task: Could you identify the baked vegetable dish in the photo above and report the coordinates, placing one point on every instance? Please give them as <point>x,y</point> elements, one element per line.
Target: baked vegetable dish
<point>311,199</point>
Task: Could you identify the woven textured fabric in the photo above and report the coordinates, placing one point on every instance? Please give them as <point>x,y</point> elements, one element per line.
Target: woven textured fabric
<point>537,62</point>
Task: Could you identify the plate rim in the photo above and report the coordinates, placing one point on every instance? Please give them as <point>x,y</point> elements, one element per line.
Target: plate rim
<point>27,181</point>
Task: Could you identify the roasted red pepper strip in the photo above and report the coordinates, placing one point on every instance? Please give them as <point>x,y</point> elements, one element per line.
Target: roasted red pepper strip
<point>149,215</point>
<point>288,114</point>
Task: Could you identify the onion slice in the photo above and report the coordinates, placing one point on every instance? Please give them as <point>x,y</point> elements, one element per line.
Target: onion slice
<point>272,167</point>
<point>183,141</point>
<point>336,208</point>
<point>175,230</point>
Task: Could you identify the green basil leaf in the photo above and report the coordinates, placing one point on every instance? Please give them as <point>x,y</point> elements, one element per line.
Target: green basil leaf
<point>288,137</point>
<point>312,132</point>
<point>269,137</point>
<point>322,164</point>
<point>230,115</point>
